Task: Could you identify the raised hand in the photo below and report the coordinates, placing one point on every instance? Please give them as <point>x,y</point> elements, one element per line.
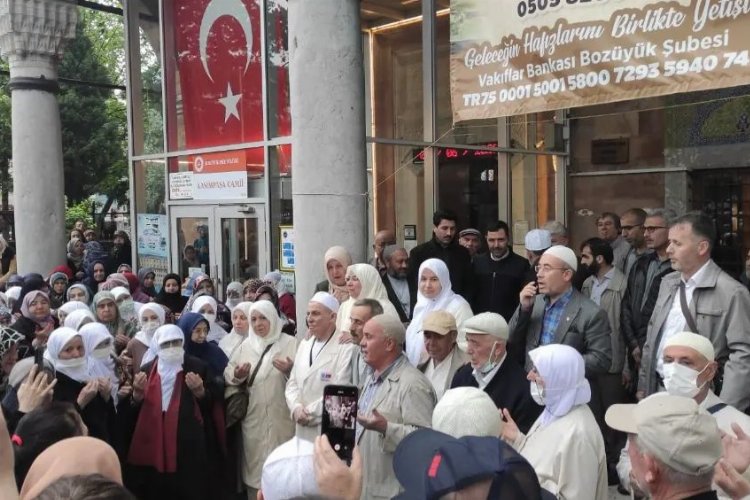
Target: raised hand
<point>35,390</point>
<point>195,384</point>
<point>510,429</point>
<point>139,386</point>
<point>89,392</point>
<point>242,371</point>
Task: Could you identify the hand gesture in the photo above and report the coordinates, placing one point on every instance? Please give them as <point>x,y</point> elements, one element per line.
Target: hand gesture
<point>301,415</point>
<point>510,429</point>
<point>375,422</point>
<point>89,392</point>
<point>284,365</point>
<point>35,390</point>
<point>736,450</point>
<point>105,388</point>
<point>121,341</point>
<point>139,386</point>
<point>527,296</point>
<point>334,478</point>
<point>728,479</point>
<point>195,384</point>
<point>242,371</point>
<point>346,338</point>
<point>636,353</point>
<point>42,334</point>
<point>125,391</point>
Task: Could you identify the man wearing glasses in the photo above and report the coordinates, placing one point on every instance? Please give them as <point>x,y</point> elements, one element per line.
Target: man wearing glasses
<point>644,280</point>
<point>632,223</point>
<point>551,311</point>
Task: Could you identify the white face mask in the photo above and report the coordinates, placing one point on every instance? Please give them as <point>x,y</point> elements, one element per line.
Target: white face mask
<point>210,317</point>
<point>489,365</point>
<point>537,394</point>
<point>172,354</point>
<point>101,353</point>
<point>680,380</point>
<point>149,327</point>
<point>71,363</point>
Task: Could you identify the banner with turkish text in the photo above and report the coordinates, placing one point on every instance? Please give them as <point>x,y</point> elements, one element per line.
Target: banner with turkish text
<point>511,57</point>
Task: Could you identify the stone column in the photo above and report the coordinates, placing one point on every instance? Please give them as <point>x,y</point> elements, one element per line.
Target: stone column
<point>329,177</point>
<point>32,35</point>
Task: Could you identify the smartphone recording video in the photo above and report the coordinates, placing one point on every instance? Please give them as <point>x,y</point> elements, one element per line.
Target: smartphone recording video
<point>340,418</point>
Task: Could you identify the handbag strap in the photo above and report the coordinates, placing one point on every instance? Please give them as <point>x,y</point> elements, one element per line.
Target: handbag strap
<point>257,367</point>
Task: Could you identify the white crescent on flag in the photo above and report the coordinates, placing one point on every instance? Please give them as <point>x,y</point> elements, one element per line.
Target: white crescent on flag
<point>216,9</point>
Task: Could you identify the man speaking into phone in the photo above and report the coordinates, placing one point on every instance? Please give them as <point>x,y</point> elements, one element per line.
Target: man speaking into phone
<point>553,312</point>
<point>396,399</point>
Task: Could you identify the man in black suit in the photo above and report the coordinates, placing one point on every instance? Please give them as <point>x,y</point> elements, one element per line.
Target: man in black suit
<point>490,370</point>
<point>443,246</point>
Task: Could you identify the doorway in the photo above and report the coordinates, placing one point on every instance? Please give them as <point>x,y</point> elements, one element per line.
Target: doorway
<point>226,242</point>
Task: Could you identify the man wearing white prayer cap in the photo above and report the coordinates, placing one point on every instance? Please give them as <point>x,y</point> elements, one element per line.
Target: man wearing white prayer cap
<point>554,312</point>
<point>289,472</point>
<point>467,411</point>
<point>321,360</point>
<point>689,369</point>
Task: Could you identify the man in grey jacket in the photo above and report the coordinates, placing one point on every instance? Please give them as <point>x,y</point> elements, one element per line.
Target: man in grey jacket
<point>556,313</point>
<point>701,298</point>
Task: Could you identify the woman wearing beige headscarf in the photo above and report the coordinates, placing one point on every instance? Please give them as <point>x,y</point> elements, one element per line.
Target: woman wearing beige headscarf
<point>363,282</point>
<point>92,456</point>
<point>267,408</point>
<point>335,261</point>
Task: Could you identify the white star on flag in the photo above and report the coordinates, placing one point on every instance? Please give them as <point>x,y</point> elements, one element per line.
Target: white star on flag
<point>230,104</point>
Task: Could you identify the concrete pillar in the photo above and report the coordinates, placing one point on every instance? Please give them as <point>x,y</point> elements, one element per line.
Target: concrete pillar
<point>329,177</point>
<point>32,35</point>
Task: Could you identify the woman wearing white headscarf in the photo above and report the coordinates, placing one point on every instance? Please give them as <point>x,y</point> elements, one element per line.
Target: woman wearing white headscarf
<point>434,293</point>
<point>92,397</point>
<point>68,308</point>
<point>150,317</point>
<point>79,318</point>
<point>208,307</point>
<point>564,446</point>
<point>363,282</point>
<point>100,347</point>
<point>267,408</point>
<point>335,262</point>
<point>240,328</point>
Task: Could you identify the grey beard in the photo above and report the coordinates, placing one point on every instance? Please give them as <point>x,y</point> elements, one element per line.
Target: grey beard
<point>396,275</point>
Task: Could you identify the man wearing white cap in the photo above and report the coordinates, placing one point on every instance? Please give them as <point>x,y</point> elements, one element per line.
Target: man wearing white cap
<point>673,446</point>
<point>321,360</point>
<point>491,370</point>
<point>467,411</point>
<point>689,369</point>
<point>536,242</point>
<point>556,313</point>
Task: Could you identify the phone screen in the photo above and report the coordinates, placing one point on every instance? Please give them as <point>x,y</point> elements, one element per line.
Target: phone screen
<point>340,418</point>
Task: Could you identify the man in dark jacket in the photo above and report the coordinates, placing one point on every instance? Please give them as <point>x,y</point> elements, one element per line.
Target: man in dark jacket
<point>499,274</point>
<point>443,246</point>
<point>490,369</point>
<point>644,281</point>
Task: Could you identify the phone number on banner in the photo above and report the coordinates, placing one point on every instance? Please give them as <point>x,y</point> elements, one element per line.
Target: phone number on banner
<point>604,77</point>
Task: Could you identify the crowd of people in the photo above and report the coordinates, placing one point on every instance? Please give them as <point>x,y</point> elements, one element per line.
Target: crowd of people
<point>481,373</point>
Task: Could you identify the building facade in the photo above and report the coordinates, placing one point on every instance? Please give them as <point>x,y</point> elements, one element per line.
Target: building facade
<point>211,156</point>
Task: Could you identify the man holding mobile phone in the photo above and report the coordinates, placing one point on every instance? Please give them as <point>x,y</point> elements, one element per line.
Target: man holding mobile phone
<point>396,399</point>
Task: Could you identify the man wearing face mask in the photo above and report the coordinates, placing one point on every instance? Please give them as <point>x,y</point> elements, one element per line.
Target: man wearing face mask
<point>689,369</point>
<point>490,370</point>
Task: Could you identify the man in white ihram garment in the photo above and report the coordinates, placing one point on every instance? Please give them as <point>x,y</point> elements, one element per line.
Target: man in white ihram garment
<point>321,360</point>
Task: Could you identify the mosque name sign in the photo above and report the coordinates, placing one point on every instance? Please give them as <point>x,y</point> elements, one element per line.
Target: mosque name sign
<point>512,57</point>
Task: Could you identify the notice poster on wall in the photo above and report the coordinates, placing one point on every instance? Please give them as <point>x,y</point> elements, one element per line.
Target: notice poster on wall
<point>286,248</point>
<point>181,186</point>
<point>152,245</point>
<point>511,57</point>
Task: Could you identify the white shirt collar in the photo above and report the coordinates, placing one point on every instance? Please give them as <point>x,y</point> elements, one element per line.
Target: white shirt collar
<point>484,379</point>
<point>697,275</point>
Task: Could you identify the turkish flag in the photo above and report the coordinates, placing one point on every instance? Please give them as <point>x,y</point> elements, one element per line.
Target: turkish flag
<point>214,48</point>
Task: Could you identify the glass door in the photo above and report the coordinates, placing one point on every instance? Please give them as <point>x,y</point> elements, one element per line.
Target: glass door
<point>226,242</point>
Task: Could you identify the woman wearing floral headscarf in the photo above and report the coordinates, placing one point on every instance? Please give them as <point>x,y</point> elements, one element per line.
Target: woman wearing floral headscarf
<point>35,323</point>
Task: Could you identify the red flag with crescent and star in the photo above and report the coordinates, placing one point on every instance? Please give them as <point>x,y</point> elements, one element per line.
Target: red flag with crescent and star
<point>216,51</point>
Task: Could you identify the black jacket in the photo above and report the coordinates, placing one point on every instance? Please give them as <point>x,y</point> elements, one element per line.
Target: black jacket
<point>508,389</point>
<point>634,318</point>
<point>457,259</point>
<point>498,283</point>
<point>394,299</point>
